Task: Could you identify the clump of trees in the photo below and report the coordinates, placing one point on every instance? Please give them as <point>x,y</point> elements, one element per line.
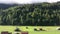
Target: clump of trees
<point>38,14</point>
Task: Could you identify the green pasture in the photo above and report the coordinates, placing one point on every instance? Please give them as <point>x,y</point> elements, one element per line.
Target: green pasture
<point>49,29</point>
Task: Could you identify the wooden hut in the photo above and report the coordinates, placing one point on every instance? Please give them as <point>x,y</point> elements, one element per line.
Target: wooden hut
<point>17,31</point>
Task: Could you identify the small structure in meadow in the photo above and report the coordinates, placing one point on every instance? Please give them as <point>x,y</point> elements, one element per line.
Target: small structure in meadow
<point>17,31</point>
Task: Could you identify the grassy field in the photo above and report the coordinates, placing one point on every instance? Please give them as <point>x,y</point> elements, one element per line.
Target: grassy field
<point>49,29</point>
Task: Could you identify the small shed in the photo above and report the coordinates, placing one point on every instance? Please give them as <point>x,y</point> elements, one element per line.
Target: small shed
<point>17,31</point>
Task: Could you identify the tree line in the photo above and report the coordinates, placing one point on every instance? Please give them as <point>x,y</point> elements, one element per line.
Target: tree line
<point>38,14</point>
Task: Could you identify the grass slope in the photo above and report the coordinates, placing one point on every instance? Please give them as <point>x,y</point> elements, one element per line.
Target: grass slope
<point>49,29</point>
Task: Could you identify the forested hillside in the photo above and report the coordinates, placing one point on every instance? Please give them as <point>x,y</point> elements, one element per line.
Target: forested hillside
<point>37,14</point>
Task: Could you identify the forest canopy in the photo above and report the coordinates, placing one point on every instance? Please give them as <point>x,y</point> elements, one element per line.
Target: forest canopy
<point>37,14</point>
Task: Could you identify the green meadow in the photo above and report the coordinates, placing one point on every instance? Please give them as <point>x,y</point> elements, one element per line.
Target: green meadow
<point>49,29</point>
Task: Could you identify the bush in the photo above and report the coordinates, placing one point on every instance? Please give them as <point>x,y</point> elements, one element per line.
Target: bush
<point>26,27</point>
<point>35,29</point>
<point>41,29</point>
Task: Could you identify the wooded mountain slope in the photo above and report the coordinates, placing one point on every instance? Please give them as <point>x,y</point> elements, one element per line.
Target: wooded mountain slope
<point>38,14</point>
